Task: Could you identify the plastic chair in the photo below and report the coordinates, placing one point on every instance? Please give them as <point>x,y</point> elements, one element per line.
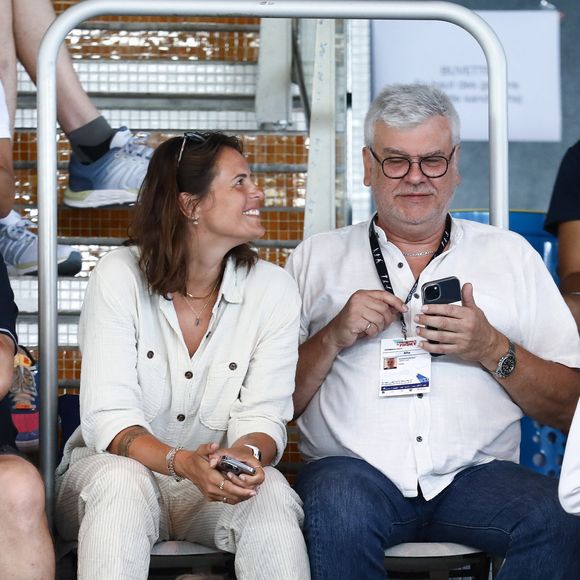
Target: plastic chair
<point>542,447</point>
<point>436,561</point>
<point>191,556</point>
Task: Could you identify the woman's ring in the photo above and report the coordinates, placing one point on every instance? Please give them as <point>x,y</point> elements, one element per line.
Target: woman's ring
<point>225,500</point>
<point>221,485</point>
<point>368,326</point>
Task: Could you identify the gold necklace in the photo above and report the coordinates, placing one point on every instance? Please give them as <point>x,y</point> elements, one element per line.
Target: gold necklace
<point>189,296</point>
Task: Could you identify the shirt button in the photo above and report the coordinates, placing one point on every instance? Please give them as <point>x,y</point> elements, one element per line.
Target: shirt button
<point>233,366</point>
<point>400,265</point>
<point>419,438</point>
<point>416,295</point>
<point>420,396</point>
<point>188,375</point>
<point>180,417</point>
<point>150,354</point>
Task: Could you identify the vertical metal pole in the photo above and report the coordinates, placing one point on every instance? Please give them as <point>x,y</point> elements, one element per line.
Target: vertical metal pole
<point>320,209</point>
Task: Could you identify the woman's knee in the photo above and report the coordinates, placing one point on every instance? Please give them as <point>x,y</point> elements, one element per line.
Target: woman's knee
<point>116,479</point>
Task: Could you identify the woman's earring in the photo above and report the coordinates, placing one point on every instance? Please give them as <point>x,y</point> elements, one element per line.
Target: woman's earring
<point>194,220</point>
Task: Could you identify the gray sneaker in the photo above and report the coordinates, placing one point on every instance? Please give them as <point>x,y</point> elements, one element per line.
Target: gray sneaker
<point>19,247</point>
<point>115,178</point>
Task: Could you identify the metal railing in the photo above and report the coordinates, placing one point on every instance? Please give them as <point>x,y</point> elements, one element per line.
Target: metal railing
<point>47,159</point>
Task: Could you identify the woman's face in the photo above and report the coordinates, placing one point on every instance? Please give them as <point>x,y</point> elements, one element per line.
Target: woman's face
<point>231,211</point>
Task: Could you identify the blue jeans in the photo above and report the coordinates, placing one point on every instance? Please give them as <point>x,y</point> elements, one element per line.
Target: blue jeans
<point>353,513</point>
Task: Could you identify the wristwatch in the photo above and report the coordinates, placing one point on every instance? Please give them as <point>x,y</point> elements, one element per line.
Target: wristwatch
<point>507,363</point>
<point>255,451</point>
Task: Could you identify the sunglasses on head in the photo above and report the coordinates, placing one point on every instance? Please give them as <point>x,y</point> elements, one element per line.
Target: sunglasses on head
<point>190,136</point>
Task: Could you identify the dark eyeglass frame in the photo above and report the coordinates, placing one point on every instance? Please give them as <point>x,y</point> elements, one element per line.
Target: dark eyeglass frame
<point>190,136</point>
<point>410,162</point>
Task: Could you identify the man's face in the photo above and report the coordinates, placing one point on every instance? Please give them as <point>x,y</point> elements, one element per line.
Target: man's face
<point>414,203</point>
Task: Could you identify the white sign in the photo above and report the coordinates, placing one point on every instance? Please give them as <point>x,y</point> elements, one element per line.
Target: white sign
<point>440,53</point>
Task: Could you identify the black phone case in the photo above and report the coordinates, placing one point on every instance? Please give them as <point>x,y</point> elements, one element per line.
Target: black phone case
<point>449,291</point>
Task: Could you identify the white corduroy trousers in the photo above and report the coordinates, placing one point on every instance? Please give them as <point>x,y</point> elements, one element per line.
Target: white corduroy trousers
<point>118,509</point>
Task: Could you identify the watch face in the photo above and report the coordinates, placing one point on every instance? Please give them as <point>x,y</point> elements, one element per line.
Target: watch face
<point>255,451</point>
<point>507,365</point>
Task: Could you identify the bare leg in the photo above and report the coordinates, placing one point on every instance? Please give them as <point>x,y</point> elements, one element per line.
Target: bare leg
<point>8,59</point>
<point>27,550</point>
<point>31,20</point>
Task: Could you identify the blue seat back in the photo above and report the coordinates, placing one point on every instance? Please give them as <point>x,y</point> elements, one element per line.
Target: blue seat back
<point>542,447</point>
<point>530,225</point>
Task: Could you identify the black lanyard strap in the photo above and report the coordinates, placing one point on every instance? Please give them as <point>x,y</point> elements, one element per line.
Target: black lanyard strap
<point>381,265</point>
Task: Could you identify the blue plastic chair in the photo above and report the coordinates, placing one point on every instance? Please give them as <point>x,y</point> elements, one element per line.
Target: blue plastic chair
<point>542,447</point>
<point>529,224</point>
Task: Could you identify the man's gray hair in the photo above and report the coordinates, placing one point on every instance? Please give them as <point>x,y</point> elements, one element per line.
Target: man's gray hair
<point>406,106</point>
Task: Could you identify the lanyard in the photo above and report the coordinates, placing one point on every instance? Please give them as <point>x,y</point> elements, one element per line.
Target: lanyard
<point>381,266</point>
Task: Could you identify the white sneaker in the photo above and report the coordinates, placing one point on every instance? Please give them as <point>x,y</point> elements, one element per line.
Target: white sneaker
<point>113,179</point>
<point>19,247</point>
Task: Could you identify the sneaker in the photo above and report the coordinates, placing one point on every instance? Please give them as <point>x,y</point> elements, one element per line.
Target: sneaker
<point>24,395</point>
<point>19,247</point>
<point>113,179</point>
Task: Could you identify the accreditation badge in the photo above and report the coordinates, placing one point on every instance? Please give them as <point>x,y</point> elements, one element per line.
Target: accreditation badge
<point>405,368</point>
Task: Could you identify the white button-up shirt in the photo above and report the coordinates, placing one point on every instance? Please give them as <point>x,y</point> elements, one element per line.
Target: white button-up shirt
<point>467,418</point>
<point>569,486</point>
<point>136,369</point>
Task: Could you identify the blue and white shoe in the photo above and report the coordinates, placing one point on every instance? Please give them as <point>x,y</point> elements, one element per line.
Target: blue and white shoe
<point>25,401</point>
<point>115,178</point>
<point>19,247</point>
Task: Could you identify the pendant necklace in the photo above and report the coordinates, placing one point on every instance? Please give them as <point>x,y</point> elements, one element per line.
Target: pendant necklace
<point>189,297</point>
<point>417,254</point>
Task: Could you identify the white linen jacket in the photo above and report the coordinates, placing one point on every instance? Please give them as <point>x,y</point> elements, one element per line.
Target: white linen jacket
<point>136,369</point>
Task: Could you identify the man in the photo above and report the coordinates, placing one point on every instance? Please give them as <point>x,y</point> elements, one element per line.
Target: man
<point>428,452</point>
<point>27,550</point>
<point>563,220</point>
<point>106,166</point>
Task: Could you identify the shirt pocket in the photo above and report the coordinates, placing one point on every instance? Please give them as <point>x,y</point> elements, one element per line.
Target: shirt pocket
<point>222,389</point>
<point>152,377</point>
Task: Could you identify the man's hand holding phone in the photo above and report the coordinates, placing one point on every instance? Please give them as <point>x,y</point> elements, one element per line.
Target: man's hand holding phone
<point>442,291</point>
<point>458,329</point>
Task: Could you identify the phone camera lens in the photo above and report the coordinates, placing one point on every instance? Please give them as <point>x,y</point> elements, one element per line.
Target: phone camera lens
<point>433,293</point>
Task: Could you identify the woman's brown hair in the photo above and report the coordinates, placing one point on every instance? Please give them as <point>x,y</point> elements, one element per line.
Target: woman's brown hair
<point>159,228</point>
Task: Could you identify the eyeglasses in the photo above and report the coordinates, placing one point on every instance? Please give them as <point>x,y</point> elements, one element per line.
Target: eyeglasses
<point>431,166</point>
<point>190,136</point>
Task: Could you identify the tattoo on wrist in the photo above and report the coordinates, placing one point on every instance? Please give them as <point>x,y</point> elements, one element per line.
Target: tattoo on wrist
<point>127,439</point>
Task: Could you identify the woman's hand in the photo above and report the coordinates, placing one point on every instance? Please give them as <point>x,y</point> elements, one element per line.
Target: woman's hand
<point>199,467</point>
<point>241,453</point>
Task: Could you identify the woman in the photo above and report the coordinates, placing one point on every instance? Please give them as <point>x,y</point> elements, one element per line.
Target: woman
<point>189,350</point>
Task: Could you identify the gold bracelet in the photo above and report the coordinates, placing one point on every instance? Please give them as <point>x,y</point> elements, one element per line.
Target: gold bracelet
<point>170,459</point>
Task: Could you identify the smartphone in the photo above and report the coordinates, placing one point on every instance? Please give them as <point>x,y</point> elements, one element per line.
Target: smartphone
<point>442,291</point>
<point>229,464</point>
